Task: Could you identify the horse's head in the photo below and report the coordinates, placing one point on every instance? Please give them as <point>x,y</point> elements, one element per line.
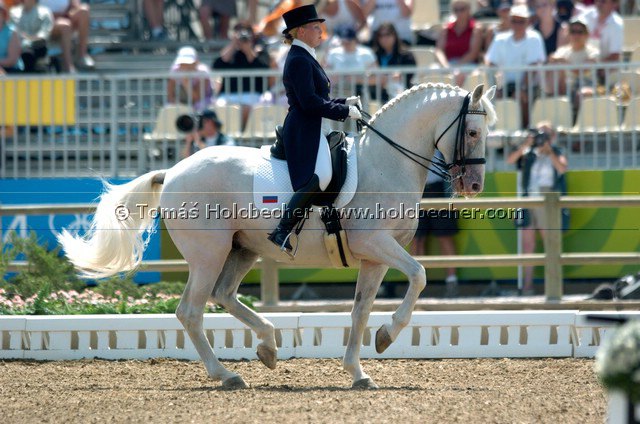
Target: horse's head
<point>466,151</point>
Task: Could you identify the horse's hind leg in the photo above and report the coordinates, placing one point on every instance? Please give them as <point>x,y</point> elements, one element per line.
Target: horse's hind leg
<point>190,310</point>
<point>238,263</point>
<point>369,279</point>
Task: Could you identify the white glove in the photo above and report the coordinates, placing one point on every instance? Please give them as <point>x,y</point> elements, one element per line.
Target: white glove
<point>354,101</point>
<point>354,113</point>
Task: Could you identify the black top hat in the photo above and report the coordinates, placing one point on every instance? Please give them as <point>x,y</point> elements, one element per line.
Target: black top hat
<point>300,16</point>
<point>211,114</point>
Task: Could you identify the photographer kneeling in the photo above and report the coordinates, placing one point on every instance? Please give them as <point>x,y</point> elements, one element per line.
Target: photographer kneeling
<point>543,167</point>
<point>204,131</point>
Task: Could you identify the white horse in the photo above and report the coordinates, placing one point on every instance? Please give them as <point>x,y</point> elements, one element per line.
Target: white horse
<point>221,251</point>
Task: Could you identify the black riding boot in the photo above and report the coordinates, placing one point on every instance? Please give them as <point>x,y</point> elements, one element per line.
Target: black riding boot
<point>294,212</point>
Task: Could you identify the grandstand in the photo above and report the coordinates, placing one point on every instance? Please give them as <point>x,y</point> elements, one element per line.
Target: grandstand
<point>105,122</point>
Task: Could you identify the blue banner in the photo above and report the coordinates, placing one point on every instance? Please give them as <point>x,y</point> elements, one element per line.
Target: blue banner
<point>60,191</point>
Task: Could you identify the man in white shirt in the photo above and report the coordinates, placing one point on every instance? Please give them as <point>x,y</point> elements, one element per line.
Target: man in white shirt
<point>351,57</point>
<point>519,47</point>
<point>605,29</point>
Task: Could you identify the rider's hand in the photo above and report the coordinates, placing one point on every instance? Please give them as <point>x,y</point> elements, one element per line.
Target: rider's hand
<point>354,113</point>
<point>354,101</point>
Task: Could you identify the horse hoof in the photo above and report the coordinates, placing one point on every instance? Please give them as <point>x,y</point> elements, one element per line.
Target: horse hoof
<point>383,339</point>
<point>234,383</point>
<point>267,355</point>
<point>365,384</point>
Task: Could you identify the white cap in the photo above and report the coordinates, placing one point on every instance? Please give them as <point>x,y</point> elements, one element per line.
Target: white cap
<point>520,11</point>
<point>186,55</point>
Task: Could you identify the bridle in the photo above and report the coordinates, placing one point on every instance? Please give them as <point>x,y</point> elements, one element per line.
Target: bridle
<point>437,165</point>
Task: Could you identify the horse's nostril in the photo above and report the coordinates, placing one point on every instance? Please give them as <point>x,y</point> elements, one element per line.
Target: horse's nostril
<point>476,187</point>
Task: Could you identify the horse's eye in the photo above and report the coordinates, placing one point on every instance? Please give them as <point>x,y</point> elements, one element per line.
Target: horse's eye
<point>473,133</point>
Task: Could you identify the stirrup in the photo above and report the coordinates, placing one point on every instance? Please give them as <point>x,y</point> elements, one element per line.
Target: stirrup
<point>292,253</point>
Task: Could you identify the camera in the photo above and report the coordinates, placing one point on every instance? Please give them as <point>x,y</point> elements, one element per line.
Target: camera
<point>186,123</point>
<point>539,137</point>
<point>244,35</point>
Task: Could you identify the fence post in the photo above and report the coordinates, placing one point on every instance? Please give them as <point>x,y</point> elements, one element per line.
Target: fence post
<point>269,289</point>
<point>553,280</point>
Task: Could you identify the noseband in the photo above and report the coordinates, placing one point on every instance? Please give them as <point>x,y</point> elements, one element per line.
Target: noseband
<point>437,165</point>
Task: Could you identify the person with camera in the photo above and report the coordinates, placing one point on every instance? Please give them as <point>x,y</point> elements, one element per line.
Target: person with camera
<point>208,132</point>
<point>543,167</point>
<point>307,89</point>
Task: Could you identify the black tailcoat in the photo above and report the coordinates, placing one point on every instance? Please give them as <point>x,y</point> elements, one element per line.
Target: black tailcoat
<point>307,88</point>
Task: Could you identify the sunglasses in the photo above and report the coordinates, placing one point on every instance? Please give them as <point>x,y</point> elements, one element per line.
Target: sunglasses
<point>518,21</point>
<point>577,31</point>
<point>540,6</point>
<point>385,34</point>
<point>460,9</point>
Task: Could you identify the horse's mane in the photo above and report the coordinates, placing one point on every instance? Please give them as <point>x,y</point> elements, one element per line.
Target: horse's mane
<point>488,107</point>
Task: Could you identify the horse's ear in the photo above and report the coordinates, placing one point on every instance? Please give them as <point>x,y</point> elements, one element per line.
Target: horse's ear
<point>490,93</point>
<point>477,94</point>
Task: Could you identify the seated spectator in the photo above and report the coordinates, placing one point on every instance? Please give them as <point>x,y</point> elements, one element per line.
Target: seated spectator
<point>242,53</point>
<point>208,133</point>
<point>390,52</point>
<point>351,57</point>
<point>272,24</point>
<point>543,167</point>
<point>460,40</point>
<point>9,44</point>
<point>341,14</point>
<point>519,47</point>
<point>565,10</point>
<point>503,24</point>
<point>194,90</point>
<point>154,13</point>
<point>71,16</point>
<point>398,12</point>
<point>553,32</point>
<point>577,52</point>
<point>605,32</point>
<point>33,23</point>
<point>223,11</point>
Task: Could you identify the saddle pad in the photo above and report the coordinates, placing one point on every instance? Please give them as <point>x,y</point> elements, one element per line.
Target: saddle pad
<point>272,185</point>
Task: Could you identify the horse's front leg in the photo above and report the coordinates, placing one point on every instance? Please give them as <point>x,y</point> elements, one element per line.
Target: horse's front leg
<point>369,279</point>
<point>388,251</point>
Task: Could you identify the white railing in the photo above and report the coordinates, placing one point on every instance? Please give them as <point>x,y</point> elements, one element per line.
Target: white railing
<point>487,334</point>
<point>553,257</point>
<point>77,125</point>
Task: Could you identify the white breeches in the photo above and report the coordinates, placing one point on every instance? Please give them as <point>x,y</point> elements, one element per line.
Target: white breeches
<point>323,163</point>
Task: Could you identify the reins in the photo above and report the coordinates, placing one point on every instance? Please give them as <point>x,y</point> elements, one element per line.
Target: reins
<point>437,165</point>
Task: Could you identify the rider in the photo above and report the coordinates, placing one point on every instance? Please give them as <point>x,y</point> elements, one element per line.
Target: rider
<point>307,88</point>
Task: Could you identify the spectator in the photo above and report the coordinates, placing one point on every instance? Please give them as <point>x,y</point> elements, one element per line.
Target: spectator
<point>33,23</point>
<point>460,41</point>
<point>577,52</point>
<point>605,31</point>
<point>223,11</point>
<point>272,24</point>
<point>341,14</point>
<point>154,13</point>
<point>208,133</point>
<point>519,47</point>
<point>398,12</point>
<point>242,53</point>
<point>543,167</point>
<point>71,16</point>
<point>10,49</point>
<point>194,90</point>
<point>443,227</point>
<point>390,52</point>
<point>553,32</point>
<point>503,24</point>
<point>564,10</point>
<point>351,57</point>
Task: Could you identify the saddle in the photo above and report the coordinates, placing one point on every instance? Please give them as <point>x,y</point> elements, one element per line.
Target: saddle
<point>335,238</point>
<point>338,151</point>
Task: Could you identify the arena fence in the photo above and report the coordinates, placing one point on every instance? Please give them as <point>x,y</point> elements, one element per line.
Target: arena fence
<point>552,259</point>
<point>121,125</point>
<point>493,334</point>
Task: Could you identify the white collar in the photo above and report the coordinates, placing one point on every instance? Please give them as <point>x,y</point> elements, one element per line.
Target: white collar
<point>305,46</point>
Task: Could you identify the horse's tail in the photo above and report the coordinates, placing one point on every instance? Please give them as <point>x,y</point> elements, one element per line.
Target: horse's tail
<point>116,240</point>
